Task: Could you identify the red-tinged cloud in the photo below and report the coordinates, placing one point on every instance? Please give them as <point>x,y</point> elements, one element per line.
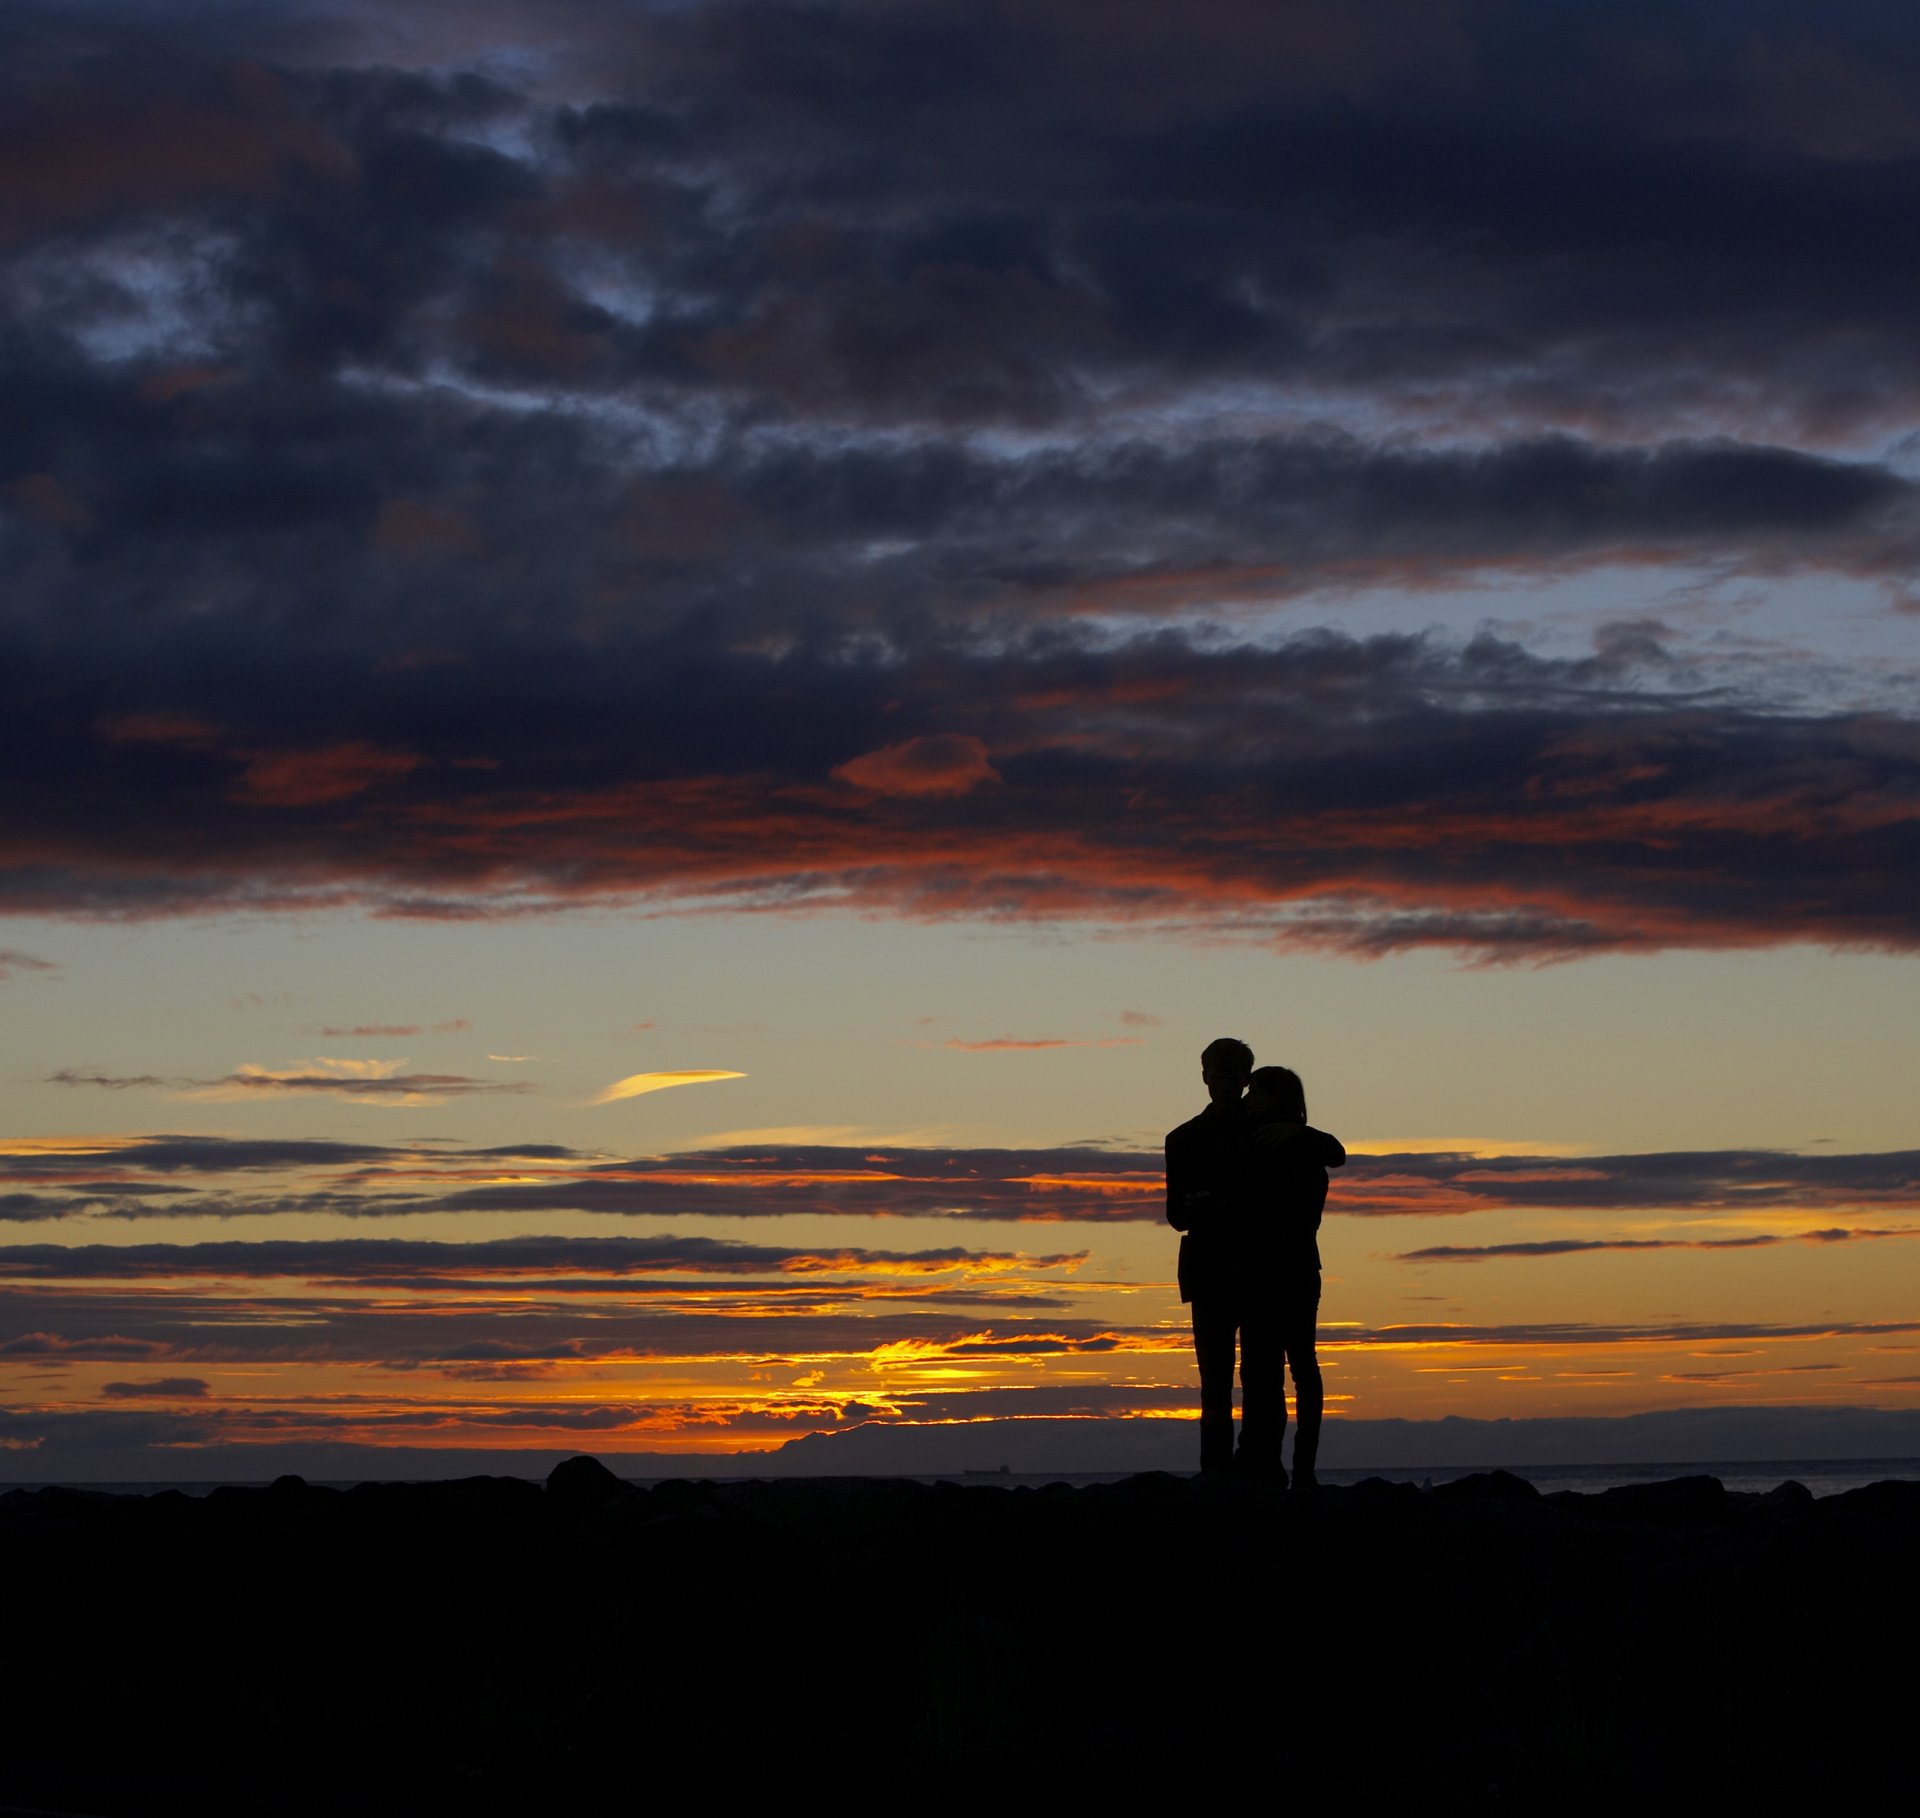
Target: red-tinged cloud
<point>1364,797</point>
<point>15,964</point>
<point>1026,1044</point>
<point>328,773</point>
<point>108,1345</point>
<point>160,728</point>
<point>938,764</point>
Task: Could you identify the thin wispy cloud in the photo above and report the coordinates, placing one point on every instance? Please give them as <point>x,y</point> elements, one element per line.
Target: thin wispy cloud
<point>1577,1246</point>
<point>1029,1044</point>
<point>15,964</point>
<point>399,1031</point>
<point>367,1082</point>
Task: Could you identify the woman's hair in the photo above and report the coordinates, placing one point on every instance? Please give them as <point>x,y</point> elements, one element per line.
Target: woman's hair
<point>1282,1085</point>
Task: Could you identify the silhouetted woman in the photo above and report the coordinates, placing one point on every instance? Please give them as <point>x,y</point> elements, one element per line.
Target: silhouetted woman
<point>1282,1195</point>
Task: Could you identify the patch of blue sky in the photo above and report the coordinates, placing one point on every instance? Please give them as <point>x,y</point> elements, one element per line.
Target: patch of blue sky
<point>644,432</point>
<point>147,292</point>
<point>1809,642</point>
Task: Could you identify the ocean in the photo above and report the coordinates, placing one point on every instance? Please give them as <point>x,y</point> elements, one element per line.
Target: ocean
<point>1822,1476</point>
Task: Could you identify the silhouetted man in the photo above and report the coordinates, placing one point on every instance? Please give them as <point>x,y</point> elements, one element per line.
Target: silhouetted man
<point>1204,1163</point>
<point>1246,1182</point>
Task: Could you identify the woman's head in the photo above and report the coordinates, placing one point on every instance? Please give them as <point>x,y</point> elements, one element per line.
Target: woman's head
<point>1277,1092</point>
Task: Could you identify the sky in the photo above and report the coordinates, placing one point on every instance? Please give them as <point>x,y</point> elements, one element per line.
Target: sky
<point>662,665</point>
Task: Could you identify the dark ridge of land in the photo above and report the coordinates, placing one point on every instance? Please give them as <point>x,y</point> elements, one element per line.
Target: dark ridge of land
<point>491,1645</point>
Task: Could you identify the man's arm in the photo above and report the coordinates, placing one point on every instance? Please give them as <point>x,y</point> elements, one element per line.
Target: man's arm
<point>1176,1183</point>
<point>1188,1188</point>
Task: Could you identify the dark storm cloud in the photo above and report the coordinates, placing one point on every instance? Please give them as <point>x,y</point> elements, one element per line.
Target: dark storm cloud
<point>675,456</point>
<point>949,213</point>
<point>1360,794</point>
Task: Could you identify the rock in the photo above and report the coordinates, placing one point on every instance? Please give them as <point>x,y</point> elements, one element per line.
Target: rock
<point>1897,1497</point>
<point>1679,1502</point>
<point>578,1486</point>
<point>461,1645</point>
<point>1384,1493</point>
<point>1488,1486</point>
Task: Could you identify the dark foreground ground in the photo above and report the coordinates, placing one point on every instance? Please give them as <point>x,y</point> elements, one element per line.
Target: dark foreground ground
<point>489,1645</point>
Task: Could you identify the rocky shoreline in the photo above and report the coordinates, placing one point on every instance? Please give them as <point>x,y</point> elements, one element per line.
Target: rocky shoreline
<point>492,1644</point>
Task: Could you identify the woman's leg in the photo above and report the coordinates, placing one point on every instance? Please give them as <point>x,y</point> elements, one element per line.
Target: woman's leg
<point>1309,1392</point>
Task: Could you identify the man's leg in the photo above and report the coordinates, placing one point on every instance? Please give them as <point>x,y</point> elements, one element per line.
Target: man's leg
<point>1214,1324</point>
<point>1263,1391</point>
<point>1302,1315</point>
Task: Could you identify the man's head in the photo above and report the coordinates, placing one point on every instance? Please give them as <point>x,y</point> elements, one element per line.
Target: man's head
<point>1277,1092</point>
<point>1225,1065</point>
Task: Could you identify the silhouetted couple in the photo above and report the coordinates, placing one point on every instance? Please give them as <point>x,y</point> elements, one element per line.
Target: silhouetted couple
<point>1246,1183</point>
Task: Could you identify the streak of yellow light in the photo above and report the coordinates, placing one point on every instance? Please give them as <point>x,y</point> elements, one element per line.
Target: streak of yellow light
<point>68,1145</point>
<point>637,1083</point>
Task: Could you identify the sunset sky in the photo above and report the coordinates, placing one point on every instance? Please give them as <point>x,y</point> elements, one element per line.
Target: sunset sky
<point>661,666</point>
